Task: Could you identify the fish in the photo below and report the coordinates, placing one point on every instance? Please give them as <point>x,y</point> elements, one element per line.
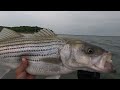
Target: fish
<point>51,55</point>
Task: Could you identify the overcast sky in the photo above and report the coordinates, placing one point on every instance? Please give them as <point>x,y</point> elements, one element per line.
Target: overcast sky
<point>66,22</point>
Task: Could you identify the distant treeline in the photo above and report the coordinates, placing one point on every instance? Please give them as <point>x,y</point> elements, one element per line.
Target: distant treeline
<point>23,29</point>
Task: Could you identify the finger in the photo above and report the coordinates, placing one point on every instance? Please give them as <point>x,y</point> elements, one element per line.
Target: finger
<point>21,76</point>
<point>28,76</point>
<point>22,66</point>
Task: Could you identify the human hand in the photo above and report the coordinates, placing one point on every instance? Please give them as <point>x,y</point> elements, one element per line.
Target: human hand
<point>21,70</point>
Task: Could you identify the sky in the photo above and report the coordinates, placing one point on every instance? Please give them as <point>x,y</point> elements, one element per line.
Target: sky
<point>102,23</point>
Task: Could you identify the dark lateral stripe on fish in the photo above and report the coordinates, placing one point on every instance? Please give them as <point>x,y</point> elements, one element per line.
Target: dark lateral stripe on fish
<point>2,45</point>
<point>27,40</point>
<point>8,42</point>
<point>28,51</point>
<point>21,43</point>
<point>30,55</point>
<point>22,46</point>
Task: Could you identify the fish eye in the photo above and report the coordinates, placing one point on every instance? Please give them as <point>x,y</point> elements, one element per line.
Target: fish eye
<point>90,51</point>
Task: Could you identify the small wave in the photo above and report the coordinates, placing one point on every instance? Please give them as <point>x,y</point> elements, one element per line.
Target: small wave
<point>112,45</point>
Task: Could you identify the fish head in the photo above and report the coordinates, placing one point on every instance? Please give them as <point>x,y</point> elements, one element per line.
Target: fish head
<point>81,55</point>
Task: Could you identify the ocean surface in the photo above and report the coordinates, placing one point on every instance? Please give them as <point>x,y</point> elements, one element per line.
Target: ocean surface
<point>110,43</point>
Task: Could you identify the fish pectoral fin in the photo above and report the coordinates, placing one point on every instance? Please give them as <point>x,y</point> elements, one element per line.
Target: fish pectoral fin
<point>53,77</point>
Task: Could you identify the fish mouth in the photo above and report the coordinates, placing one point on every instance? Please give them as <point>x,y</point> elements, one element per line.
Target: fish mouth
<point>108,68</point>
<point>105,65</point>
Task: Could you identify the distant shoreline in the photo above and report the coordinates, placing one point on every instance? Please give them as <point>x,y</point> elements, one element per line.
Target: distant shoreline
<point>32,29</point>
<point>88,35</point>
<point>77,35</point>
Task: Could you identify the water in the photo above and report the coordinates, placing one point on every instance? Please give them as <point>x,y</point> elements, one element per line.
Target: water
<point>111,43</point>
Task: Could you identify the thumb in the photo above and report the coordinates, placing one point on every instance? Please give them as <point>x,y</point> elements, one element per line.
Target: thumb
<point>22,66</point>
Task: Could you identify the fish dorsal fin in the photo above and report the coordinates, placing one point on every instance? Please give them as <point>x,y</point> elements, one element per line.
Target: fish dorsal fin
<point>8,34</point>
<point>44,33</point>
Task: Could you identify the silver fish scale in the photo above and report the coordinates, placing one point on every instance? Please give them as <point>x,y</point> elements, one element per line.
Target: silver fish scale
<point>36,50</point>
<point>33,47</point>
<point>44,68</point>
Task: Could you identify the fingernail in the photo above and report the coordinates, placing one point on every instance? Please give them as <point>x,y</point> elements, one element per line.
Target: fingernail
<point>23,60</point>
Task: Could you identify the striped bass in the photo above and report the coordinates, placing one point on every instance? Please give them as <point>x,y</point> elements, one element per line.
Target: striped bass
<point>51,55</point>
